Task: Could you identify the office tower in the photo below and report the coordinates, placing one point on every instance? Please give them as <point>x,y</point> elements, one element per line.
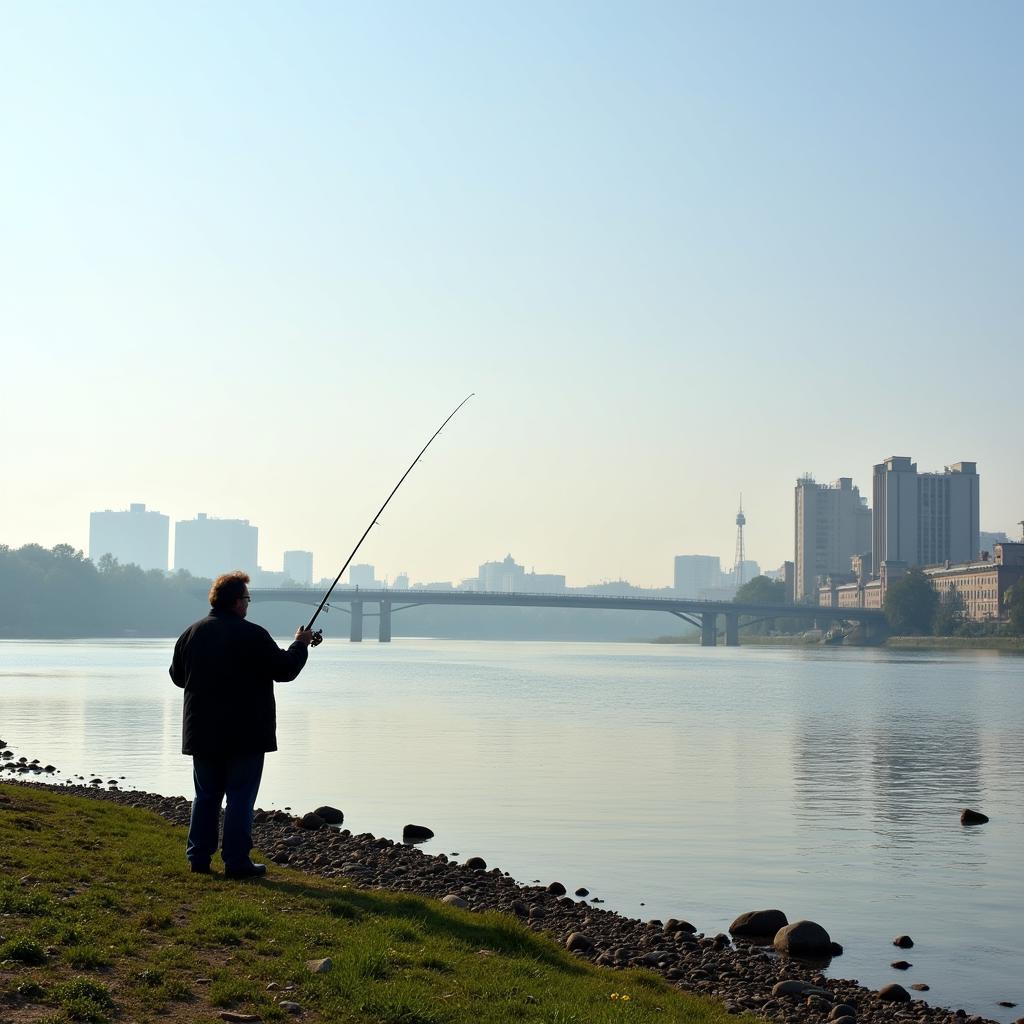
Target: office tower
<point>207,546</point>
<point>362,576</point>
<point>924,518</point>
<point>298,566</point>
<point>832,524</point>
<point>696,573</point>
<point>504,577</point>
<point>136,537</point>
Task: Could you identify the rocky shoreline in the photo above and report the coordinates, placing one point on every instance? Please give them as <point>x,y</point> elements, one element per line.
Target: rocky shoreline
<point>744,976</point>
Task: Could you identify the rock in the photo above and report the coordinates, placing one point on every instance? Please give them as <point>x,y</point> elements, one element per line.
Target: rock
<point>804,939</point>
<point>289,1007</point>
<point>537,914</point>
<point>311,821</point>
<point>1006,1003</point>
<point>843,1020</point>
<point>319,966</point>
<point>416,833</point>
<point>894,993</point>
<point>476,863</point>
<point>789,987</point>
<point>901,965</point>
<point>453,899</point>
<point>969,817</point>
<point>581,892</point>
<point>579,941</point>
<point>556,889</point>
<point>758,924</point>
<point>903,941</point>
<point>239,1018</point>
<point>330,814</point>
<point>920,986</point>
<point>520,909</point>
<point>842,1010</point>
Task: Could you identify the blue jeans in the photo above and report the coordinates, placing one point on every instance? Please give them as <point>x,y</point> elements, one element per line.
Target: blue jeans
<point>237,778</point>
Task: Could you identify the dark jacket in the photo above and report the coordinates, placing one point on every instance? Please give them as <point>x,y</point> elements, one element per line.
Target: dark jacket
<point>227,667</point>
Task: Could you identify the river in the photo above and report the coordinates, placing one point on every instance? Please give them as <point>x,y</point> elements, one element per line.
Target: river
<point>671,781</point>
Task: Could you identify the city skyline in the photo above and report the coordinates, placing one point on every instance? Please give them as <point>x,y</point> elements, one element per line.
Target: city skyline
<point>679,251</point>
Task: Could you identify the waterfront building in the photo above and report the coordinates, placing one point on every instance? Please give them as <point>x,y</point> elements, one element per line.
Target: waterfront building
<point>207,546</point>
<point>401,582</point>
<point>696,573</point>
<point>832,524</point>
<point>139,537</point>
<point>982,583</point>
<point>543,583</point>
<point>504,577</point>
<point>298,566</point>
<point>362,576</point>
<point>925,518</point>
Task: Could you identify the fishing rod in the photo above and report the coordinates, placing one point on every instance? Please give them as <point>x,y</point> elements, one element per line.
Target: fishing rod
<point>373,521</point>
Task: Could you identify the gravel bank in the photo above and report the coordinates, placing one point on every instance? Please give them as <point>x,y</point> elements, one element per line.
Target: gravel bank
<point>745,977</point>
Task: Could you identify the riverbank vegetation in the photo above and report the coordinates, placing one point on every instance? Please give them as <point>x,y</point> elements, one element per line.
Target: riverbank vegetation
<point>100,921</point>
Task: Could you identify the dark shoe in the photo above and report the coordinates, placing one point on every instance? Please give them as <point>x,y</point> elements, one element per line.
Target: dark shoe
<point>246,871</point>
<point>201,869</point>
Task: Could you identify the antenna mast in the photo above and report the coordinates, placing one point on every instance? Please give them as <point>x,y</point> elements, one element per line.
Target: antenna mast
<point>737,569</point>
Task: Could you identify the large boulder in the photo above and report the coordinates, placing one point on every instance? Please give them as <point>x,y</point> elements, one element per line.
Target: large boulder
<point>416,833</point>
<point>330,814</point>
<point>758,924</point>
<point>894,993</point>
<point>311,821</point>
<point>969,817</point>
<point>804,939</point>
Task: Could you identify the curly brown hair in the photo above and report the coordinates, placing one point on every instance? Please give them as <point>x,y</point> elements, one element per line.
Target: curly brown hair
<point>227,589</point>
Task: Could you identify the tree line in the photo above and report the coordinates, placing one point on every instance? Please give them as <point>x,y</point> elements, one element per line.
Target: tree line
<point>59,592</point>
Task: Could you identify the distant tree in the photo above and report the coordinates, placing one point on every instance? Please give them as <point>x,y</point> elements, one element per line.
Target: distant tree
<point>910,605</point>
<point>950,613</point>
<point>1014,599</point>
<point>762,590</point>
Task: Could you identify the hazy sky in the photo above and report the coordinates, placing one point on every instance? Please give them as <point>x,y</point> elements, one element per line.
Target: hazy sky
<point>252,254</point>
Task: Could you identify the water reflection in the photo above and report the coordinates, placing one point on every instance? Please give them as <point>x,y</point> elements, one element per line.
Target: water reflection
<point>700,783</point>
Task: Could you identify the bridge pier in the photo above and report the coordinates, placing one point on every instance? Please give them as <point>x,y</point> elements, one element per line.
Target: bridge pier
<point>384,636</point>
<point>732,631</point>
<point>355,633</point>
<point>708,629</point>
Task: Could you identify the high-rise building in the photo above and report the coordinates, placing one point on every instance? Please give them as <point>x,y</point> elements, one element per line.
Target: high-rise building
<point>696,573</point>
<point>504,577</point>
<point>207,546</point>
<point>924,518</point>
<point>137,537</point>
<point>298,566</point>
<point>832,524</point>
<point>362,576</point>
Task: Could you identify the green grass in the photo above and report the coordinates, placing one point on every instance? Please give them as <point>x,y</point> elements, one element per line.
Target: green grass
<point>101,923</point>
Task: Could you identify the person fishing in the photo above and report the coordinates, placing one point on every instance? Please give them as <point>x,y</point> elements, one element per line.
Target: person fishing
<point>227,668</point>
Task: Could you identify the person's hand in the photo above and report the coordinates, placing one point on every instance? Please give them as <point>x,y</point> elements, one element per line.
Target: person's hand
<point>304,636</point>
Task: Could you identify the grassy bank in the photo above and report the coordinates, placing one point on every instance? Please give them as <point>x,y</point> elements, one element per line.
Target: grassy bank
<point>957,643</point>
<point>100,922</point>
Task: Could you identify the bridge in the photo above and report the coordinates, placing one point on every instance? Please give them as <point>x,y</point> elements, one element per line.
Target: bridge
<point>702,614</point>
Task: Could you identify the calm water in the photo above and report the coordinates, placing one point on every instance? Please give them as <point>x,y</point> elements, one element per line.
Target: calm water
<point>670,781</point>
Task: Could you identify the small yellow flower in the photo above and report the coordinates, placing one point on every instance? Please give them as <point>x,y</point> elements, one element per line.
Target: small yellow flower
<point>625,999</point>
<point>614,995</point>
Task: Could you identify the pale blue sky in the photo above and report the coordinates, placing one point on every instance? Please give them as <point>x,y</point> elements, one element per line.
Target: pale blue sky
<point>678,250</point>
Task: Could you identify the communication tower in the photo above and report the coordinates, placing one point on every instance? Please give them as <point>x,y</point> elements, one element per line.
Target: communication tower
<point>737,569</point>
